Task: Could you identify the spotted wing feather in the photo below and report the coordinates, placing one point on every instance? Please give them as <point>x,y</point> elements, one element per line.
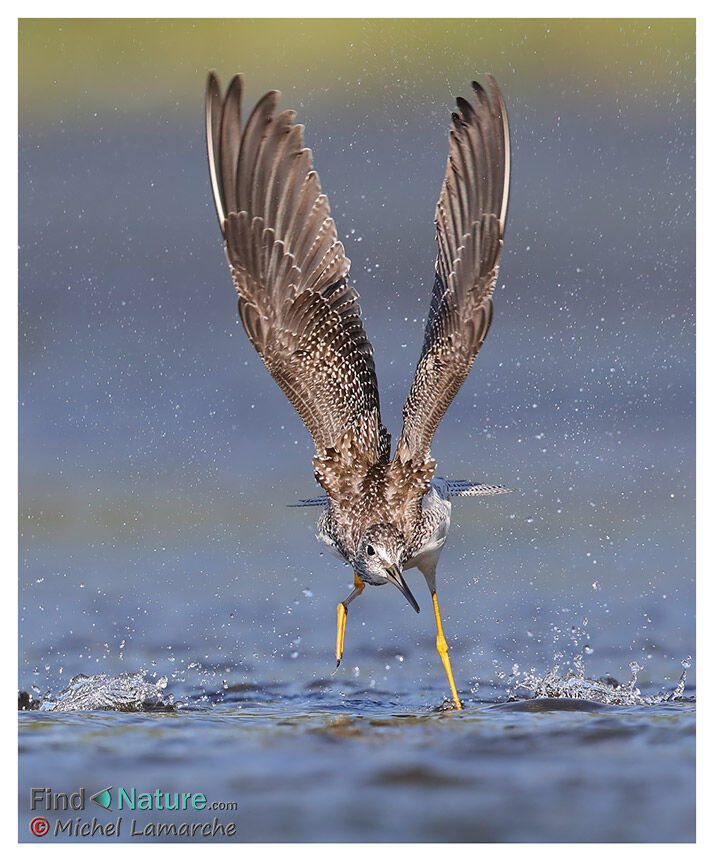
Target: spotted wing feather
<point>290,271</point>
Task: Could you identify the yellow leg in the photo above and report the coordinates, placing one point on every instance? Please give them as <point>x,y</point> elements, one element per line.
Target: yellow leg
<point>443,650</point>
<point>342,617</point>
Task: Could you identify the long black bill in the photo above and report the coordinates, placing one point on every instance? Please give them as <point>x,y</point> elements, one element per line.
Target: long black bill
<point>395,575</point>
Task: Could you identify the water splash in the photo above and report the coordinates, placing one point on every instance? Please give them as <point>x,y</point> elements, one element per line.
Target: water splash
<point>575,685</point>
<point>125,692</point>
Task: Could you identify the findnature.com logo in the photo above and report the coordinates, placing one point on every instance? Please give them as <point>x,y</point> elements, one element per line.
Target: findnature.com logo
<point>129,799</point>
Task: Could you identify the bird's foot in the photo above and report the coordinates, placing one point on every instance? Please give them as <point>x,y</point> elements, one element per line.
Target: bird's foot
<point>448,705</point>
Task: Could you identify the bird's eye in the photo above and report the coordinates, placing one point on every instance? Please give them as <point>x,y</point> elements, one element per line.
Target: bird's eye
<point>370,550</point>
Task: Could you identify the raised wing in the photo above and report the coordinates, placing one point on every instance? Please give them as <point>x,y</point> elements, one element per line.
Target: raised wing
<point>290,271</point>
<point>470,220</point>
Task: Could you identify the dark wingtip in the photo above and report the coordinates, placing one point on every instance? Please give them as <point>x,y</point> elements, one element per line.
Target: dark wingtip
<point>235,87</point>
<point>477,88</point>
<point>213,86</point>
<point>463,105</point>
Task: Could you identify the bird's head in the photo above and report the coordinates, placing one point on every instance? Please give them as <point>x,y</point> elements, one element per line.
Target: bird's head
<point>379,558</point>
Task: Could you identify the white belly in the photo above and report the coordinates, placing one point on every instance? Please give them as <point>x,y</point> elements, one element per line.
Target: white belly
<point>434,503</point>
<point>327,542</point>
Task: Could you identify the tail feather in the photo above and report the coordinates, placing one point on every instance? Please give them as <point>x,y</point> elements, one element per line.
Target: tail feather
<point>467,488</point>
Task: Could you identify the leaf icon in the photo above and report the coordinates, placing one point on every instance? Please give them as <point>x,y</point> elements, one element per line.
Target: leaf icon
<point>103,798</point>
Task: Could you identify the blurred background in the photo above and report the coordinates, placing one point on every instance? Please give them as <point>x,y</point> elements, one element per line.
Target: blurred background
<point>157,456</point>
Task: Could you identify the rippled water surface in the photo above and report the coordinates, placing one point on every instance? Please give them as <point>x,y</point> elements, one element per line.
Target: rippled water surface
<point>358,765</point>
<point>157,458</point>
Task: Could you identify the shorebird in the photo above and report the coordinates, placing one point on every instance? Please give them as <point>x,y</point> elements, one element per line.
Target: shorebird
<point>382,514</point>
